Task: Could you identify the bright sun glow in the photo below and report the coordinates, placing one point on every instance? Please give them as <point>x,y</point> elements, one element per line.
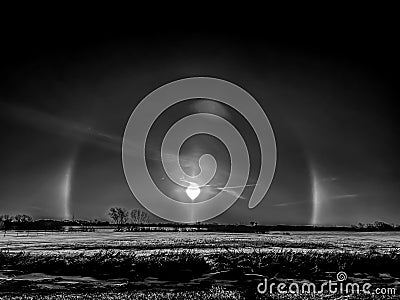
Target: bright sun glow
<point>193,191</point>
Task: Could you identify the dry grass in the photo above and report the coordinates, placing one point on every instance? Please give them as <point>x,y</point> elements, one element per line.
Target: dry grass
<point>186,264</point>
<point>232,272</point>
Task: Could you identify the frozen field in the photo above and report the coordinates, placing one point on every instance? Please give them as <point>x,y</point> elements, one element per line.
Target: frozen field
<point>146,241</point>
<point>187,265</point>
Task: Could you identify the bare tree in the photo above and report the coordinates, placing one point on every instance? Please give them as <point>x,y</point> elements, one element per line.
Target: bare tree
<point>23,218</point>
<point>134,216</point>
<point>5,218</point>
<point>119,215</point>
<point>139,216</point>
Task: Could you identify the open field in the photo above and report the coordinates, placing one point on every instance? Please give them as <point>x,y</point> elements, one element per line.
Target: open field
<point>208,241</point>
<point>189,265</point>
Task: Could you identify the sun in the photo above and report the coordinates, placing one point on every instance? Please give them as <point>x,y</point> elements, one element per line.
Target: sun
<point>193,191</point>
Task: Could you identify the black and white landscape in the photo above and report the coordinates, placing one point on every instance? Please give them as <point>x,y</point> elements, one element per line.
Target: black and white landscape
<point>71,228</point>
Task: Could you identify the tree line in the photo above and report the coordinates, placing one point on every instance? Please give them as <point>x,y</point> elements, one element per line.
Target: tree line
<point>17,218</point>
<point>135,219</point>
<point>121,216</point>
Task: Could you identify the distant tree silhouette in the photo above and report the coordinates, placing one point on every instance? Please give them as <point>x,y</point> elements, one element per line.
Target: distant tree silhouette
<point>139,216</point>
<point>6,218</point>
<point>119,215</point>
<point>382,226</point>
<point>23,218</point>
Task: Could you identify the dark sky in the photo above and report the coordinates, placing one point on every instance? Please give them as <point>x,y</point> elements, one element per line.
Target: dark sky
<point>67,93</point>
